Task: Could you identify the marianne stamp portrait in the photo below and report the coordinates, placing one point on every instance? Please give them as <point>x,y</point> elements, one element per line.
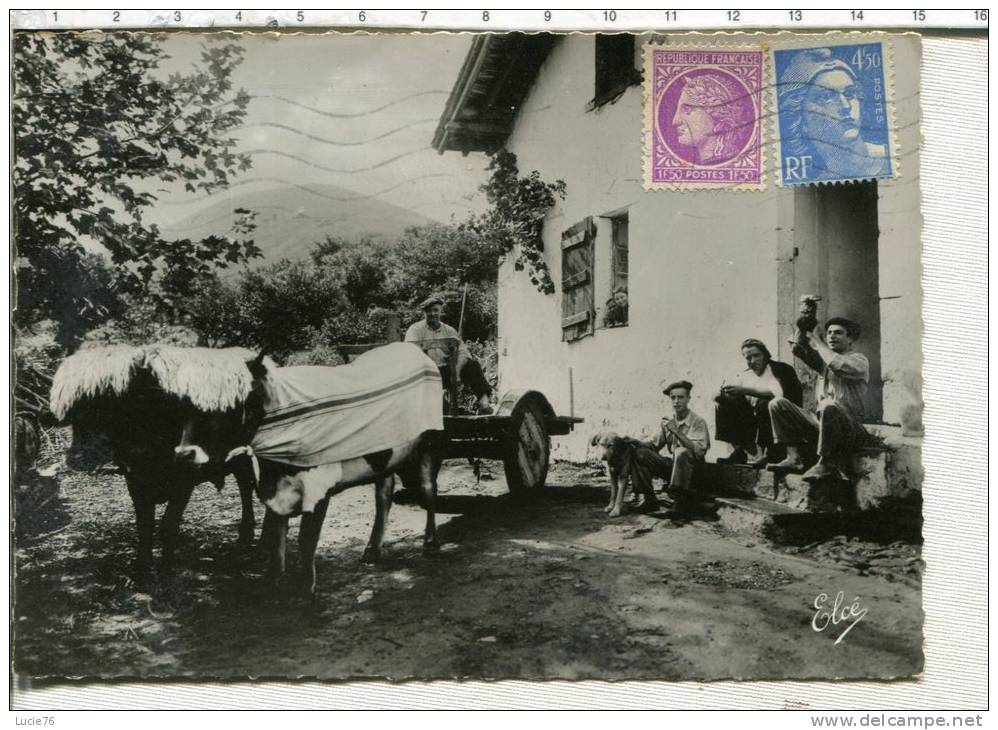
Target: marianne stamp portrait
<point>833,110</point>
<point>703,127</point>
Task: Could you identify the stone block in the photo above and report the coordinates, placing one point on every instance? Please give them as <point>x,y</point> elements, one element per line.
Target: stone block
<point>887,477</point>
<point>712,478</point>
<point>828,495</point>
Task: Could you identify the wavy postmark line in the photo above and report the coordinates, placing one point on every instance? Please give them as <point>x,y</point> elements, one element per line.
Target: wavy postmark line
<point>336,170</point>
<point>350,115</point>
<point>333,142</point>
<point>819,166</point>
<point>305,188</point>
<point>775,114</point>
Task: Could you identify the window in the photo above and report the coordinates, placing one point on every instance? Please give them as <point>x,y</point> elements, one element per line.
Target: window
<point>615,313</point>
<point>578,310</point>
<point>615,69</point>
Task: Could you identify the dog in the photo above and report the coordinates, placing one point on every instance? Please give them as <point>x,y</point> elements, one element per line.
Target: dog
<point>617,451</point>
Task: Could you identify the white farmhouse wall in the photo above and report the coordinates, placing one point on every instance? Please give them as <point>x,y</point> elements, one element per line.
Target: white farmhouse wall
<point>900,218</point>
<point>703,272</point>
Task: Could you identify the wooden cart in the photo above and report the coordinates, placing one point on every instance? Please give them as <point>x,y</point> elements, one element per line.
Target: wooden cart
<point>518,433</point>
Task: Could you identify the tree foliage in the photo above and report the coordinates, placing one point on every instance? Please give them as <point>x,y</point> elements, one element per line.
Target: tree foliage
<point>349,289</point>
<point>99,129</point>
<point>274,307</point>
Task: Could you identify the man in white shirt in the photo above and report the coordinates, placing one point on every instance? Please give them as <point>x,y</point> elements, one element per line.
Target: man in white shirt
<point>741,416</point>
<point>431,328</point>
<point>686,440</point>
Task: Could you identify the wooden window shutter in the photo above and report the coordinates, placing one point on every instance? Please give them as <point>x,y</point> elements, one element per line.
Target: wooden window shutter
<point>578,303</point>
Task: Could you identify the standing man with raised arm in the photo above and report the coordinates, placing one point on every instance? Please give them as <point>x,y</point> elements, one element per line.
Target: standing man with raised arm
<point>837,427</point>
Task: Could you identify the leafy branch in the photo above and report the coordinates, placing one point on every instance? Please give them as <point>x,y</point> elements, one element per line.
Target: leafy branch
<point>514,221</point>
<point>100,127</point>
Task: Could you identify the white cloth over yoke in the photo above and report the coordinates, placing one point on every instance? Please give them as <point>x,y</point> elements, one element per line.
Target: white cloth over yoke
<point>322,415</point>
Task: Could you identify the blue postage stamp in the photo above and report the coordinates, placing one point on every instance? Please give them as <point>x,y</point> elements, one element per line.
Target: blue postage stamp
<point>832,104</point>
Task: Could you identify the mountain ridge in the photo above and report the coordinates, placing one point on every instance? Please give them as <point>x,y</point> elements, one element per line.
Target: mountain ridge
<point>290,221</point>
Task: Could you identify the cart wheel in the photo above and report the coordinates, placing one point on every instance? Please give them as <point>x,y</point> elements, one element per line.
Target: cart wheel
<point>528,449</point>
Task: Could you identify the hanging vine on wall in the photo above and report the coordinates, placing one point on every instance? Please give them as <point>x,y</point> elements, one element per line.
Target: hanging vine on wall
<point>516,215</point>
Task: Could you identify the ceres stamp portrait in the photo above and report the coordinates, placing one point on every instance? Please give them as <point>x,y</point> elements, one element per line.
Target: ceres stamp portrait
<point>703,118</point>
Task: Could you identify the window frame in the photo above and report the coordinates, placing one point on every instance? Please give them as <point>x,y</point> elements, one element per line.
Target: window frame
<point>620,79</point>
<point>614,218</point>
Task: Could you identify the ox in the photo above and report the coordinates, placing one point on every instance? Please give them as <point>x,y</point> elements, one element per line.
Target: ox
<point>313,432</point>
<point>127,405</point>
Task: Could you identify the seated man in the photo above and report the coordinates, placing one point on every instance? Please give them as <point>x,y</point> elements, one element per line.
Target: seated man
<point>686,440</point>
<point>741,415</point>
<point>468,368</point>
<point>841,388</point>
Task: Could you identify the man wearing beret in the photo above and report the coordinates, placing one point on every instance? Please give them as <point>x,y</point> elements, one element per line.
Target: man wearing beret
<point>469,369</point>
<point>837,428</point>
<point>685,439</point>
<point>741,416</point>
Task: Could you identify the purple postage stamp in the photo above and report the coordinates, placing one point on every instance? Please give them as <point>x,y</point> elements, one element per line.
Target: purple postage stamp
<point>703,118</point>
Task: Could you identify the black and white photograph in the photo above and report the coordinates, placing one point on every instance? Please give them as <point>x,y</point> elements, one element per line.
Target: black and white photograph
<point>467,356</point>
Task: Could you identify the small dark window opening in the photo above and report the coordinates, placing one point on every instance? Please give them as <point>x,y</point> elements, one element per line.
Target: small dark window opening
<point>614,68</point>
<point>615,311</point>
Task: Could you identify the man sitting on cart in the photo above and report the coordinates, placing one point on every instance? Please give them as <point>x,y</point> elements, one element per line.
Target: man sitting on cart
<point>469,369</point>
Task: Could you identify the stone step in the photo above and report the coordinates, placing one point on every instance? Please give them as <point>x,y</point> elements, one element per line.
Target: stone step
<point>881,477</point>
<point>763,518</point>
<point>786,489</point>
<point>828,495</point>
<point>728,479</point>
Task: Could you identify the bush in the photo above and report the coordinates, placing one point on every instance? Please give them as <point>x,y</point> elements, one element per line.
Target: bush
<point>275,307</point>
<point>142,323</point>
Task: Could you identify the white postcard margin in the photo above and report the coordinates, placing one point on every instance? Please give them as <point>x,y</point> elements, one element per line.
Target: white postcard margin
<point>955,281</point>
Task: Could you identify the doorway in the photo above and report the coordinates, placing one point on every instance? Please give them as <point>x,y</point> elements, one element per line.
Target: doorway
<point>834,253</point>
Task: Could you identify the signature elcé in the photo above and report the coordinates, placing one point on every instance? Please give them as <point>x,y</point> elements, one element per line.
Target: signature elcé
<point>837,613</point>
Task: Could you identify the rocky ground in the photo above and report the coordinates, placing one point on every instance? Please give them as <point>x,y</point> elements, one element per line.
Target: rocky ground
<point>545,588</point>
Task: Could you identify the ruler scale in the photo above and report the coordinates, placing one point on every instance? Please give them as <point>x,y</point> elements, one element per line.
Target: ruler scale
<point>608,20</point>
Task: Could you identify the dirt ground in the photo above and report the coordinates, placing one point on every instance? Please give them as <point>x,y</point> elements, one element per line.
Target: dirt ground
<point>545,588</point>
